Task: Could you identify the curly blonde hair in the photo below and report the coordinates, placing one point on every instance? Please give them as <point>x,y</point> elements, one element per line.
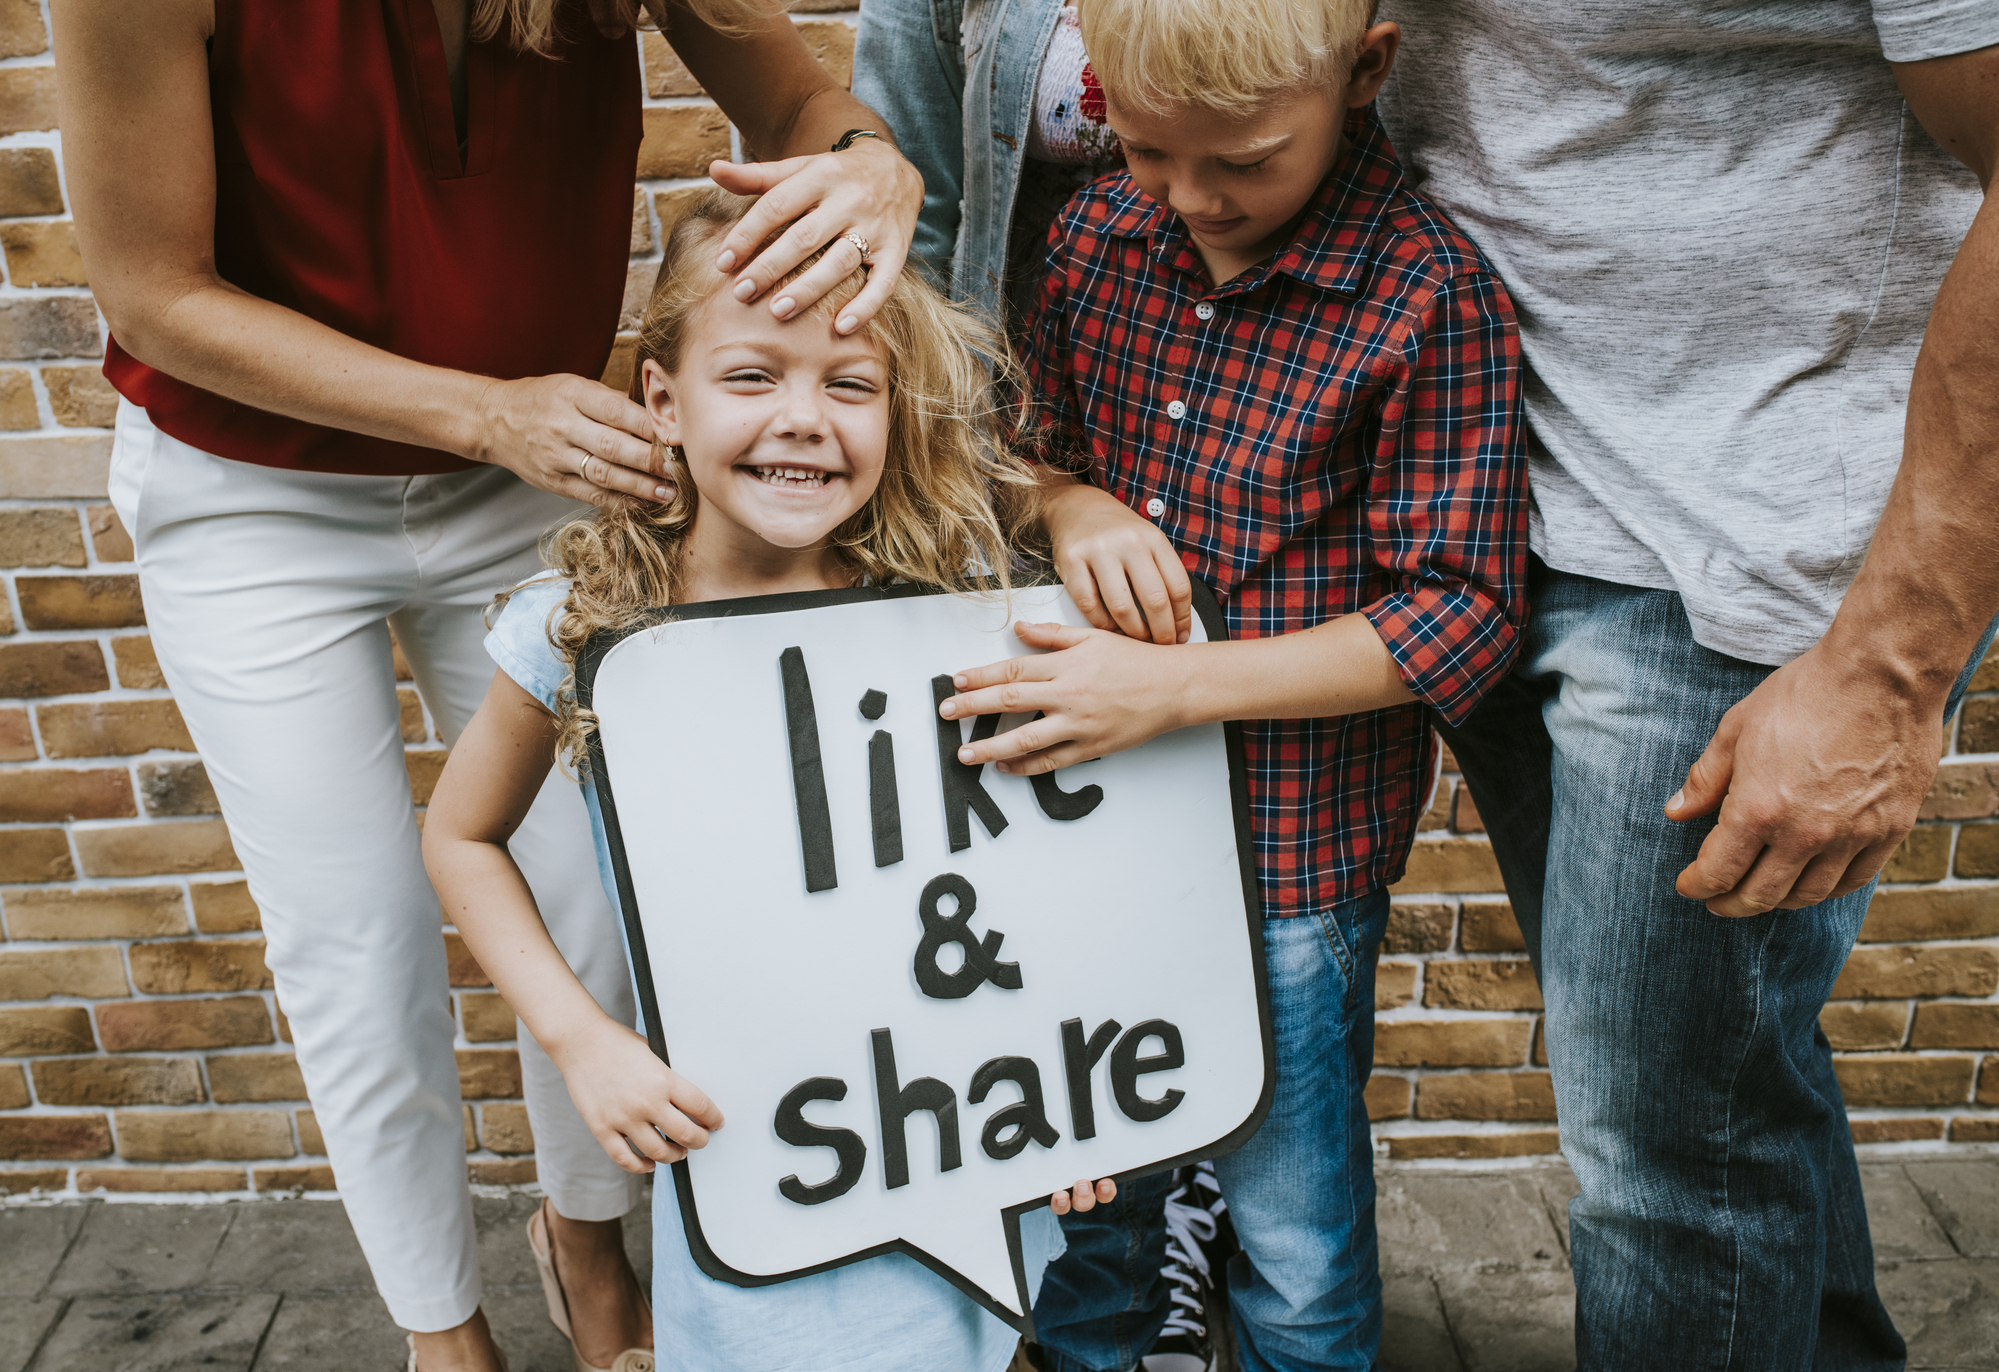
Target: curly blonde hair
<point>530,25</point>
<point>952,506</point>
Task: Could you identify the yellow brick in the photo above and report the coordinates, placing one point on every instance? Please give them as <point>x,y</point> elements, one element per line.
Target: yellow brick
<point>1903,1079</point>
<point>1524,1143</point>
<point>1450,865</point>
<point>39,973</point>
<point>681,140</point>
<point>201,1135</point>
<point>42,254</point>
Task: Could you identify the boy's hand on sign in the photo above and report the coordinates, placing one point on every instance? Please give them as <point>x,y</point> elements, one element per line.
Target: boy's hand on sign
<point>1083,1197</point>
<point>1097,693</point>
<point>641,1111</point>
<point>1122,572</point>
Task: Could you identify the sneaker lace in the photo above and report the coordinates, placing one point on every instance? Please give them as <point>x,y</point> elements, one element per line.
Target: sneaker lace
<point>1188,1227</point>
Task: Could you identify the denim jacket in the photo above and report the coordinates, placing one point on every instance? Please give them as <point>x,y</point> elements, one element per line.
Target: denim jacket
<point>955,81</point>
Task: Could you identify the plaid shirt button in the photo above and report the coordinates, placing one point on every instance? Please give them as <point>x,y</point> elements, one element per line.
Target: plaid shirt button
<point>1175,410</point>
<point>1155,507</point>
<point>1204,311</point>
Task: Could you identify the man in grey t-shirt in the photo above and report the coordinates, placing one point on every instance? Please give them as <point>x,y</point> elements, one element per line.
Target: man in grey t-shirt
<point>1766,483</point>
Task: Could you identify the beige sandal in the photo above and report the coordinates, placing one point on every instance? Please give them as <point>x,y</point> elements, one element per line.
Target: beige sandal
<point>413,1368</point>
<point>631,1360</point>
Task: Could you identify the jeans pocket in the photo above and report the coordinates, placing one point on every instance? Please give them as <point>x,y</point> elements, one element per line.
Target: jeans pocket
<point>1351,931</point>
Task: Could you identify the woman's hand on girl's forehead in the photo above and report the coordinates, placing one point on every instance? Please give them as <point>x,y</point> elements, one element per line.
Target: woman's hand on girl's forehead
<point>869,191</point>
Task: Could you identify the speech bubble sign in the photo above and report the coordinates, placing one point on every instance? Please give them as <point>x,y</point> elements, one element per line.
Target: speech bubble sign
<point>925,995</point>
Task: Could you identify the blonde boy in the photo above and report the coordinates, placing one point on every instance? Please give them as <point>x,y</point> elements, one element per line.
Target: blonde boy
<point>1259,357</point>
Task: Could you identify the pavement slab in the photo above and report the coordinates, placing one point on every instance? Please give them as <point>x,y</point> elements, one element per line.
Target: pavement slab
<point>1965,1198</point>
<point>33,1239</point>
<point>1899,1220</point>
<point>21,1329</point>
<point>1947,1311</point>
<point>342,1331</point>
<point>1558,1187</point>
<point>158,1333</point>
<point>1460,1221</point>
<point>1414,1334</point>
<point>519,1317</point>
<point>1512,1321</point>
<point>1476,1277</point>
<point>289,1245</point>
<point>504,1256</point>
<point>128,1249</point>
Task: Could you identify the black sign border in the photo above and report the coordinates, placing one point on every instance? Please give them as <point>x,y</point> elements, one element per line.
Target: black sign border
<point>592,657</point>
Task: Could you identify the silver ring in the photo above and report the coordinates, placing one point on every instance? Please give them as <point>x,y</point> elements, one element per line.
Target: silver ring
<point>583,467</point>
<point>860,243</point>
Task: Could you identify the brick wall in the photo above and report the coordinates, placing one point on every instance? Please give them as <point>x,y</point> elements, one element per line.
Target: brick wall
<point>142,1050</point>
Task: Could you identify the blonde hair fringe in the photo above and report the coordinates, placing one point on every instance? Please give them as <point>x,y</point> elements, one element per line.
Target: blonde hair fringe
<point>1230,56</point>
<point>530,24</point>
<point>953,504</point>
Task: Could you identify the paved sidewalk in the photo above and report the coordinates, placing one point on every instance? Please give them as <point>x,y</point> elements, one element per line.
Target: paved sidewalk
<point>1476,1267</point>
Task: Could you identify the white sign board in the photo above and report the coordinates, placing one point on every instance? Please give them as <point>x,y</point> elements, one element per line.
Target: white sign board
<point>924,995</point>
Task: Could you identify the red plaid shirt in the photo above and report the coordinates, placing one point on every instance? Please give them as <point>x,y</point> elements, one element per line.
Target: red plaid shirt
<point>1337,429</point>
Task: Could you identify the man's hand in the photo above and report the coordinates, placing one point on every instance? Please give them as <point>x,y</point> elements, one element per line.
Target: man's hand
<point>1101,693</point>
<point>1818,773</point>
<point>1122,572</point>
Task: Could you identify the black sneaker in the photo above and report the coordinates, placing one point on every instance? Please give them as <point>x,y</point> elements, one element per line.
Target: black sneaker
<point>1199,1239</point>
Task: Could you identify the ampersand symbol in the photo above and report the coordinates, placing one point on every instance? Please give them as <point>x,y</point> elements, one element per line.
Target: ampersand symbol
<point>938,929</point>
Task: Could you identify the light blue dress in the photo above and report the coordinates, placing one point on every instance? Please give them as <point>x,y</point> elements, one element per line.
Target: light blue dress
<point>884,1314</point>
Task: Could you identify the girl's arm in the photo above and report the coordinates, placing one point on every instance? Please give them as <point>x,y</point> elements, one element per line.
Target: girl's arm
<point>641,1110</point>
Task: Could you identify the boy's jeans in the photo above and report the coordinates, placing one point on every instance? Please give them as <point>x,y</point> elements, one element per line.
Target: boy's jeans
<point>1306,1289</point>
<point>1720,1222</point>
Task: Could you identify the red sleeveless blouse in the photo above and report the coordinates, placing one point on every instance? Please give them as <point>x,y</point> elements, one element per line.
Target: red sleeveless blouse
<point>340,193</point>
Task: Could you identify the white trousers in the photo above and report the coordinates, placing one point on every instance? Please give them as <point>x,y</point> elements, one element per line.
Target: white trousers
<point>269,594</point>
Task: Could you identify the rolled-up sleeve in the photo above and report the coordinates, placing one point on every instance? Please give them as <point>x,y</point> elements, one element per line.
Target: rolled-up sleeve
<point>1447,503</point>
<point>1917,30</point>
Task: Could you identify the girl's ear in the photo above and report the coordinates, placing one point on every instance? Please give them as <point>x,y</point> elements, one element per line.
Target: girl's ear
<point>659,402</point>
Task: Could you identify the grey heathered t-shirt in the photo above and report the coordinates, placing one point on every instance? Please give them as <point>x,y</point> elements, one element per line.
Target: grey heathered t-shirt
<point>1723,231</point>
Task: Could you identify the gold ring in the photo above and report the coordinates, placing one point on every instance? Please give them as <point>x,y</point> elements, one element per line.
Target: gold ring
<point>861,244</point>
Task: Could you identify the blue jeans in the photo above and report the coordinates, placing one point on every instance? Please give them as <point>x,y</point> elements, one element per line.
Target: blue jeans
<point>1306,1289</point>
<point>1720,1222</point>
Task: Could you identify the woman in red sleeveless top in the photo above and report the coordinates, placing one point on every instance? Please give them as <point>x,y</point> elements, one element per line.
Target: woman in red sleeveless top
<point>359,258</point>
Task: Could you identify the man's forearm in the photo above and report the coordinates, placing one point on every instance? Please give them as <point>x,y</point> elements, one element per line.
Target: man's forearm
<point>1930,582</point>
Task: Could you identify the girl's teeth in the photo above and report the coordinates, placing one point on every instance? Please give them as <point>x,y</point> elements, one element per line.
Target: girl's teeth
<point>791,476</point>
